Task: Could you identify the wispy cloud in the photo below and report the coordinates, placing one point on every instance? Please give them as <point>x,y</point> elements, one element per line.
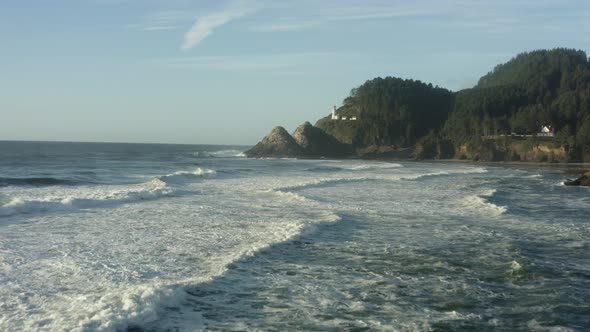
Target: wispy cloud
<point>321,13</point>
<point>371,11</point>
<point>487,16</point>
<point>205,25</point>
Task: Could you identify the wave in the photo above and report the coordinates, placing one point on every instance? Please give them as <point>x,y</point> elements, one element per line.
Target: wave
<point>101,196</point>
<point>376,177</point>
<point>323,182</point>
<point>375,166</point>
<point>130,307</point>
<point>425,175</point>
<point>143,305</point>
<point>35,181</point>
<point>219,154</point>
<point>534,176</point>
<point>187,176</point>
<point>481,205</point>
<point>289,195</point>
<point>90,199</point>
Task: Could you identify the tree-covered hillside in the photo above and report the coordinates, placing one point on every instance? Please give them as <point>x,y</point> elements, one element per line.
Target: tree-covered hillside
<point>390,111</point>
<point>534,89</point>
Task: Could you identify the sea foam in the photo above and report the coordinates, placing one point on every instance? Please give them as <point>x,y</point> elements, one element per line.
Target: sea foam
<point>187,176</point>
<point>480,204</point>
<point>91,198</point>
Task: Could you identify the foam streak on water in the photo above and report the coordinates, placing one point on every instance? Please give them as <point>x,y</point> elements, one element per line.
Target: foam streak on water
<point>185,238</point>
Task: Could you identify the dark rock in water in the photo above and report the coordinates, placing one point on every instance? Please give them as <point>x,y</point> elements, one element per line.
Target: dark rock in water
<point>583,180</point>
<point>315,142</point>
<point>277,144</point>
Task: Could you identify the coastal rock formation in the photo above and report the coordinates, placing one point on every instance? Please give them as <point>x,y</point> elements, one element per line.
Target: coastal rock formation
<point>307,142</point>
<point>514,149</point>
<point>277,144</point>
<point>317,143</point>
<point>583,180</point>
<point>385,152</point>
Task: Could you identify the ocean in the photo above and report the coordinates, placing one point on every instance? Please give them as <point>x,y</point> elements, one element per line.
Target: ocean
<point>146,237</point>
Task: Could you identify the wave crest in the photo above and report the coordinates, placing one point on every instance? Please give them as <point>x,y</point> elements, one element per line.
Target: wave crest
<point>481,205</point>
<point>369,167</point>
<point>91,199</point>
<point>187,176</point>
<point>219,154</point>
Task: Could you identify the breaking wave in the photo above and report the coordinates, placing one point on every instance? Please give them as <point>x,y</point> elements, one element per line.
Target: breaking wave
<point>324,182</point>
<point>187,176</point>
<point>376,177</point>
<point>375,166</point>
<point>102,196</point>
<point>480,204</point>
<point>289,195</point>
<point>139,305</point>
<point>219,154</point>
<point>90,199</point>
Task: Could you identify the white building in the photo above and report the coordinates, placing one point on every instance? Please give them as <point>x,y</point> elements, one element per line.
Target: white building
<point>343,118</point>
<point>546,131</point>
<point>334,115</point>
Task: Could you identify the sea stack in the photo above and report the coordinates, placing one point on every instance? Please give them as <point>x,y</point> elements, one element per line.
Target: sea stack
<point>277,144</point>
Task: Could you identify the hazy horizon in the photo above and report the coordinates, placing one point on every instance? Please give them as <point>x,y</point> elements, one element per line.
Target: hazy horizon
<point>226,72</point>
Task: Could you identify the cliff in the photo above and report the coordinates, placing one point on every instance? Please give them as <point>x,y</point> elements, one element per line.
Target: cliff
<point>317,143</point>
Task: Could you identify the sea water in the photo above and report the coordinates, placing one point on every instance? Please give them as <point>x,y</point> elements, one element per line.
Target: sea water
<point>135,237</point>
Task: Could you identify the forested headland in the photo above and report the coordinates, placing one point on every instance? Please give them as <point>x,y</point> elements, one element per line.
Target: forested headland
<point>498,119</point>
<point>535,107</point>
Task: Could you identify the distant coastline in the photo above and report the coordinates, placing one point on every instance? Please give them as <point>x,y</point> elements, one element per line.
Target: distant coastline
<point>534,108</point>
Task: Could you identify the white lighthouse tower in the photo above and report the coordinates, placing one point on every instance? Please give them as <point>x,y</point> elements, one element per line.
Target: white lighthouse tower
<point>334,116</point>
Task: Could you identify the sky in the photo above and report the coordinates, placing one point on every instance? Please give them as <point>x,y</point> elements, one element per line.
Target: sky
<point>226,72</point>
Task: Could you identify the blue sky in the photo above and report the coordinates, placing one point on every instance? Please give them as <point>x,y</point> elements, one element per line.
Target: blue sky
<point>226,72</point>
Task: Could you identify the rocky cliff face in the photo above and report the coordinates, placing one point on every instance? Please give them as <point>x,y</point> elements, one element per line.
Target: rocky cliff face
<point>317,143</point>
<point>583,180</point>
<point>514,151</point>
<point>307,142</point>
<point>277,144</point>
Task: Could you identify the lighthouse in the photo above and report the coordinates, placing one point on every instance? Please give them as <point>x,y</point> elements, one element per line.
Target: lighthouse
<point>334,116</point>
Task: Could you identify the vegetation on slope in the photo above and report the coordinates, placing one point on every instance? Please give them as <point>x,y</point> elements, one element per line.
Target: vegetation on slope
<point>534,89</point>
<point>390,111</point>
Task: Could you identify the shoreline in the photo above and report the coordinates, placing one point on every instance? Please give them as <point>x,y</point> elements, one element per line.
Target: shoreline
<point>576,170</point>
<point>513,164</point>
<point>489,163</point>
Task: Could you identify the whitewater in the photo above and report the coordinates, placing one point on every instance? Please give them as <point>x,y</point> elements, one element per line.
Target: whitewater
<point>140,237</point>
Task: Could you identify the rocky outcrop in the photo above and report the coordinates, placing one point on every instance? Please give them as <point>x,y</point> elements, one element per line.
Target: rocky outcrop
<point>512,150</point>
<point>317,143</point>
<point>385,152</point>
<point>583,180</point>
<point>307,142</point>
<point>434,148</point>
<point>277,144</point>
